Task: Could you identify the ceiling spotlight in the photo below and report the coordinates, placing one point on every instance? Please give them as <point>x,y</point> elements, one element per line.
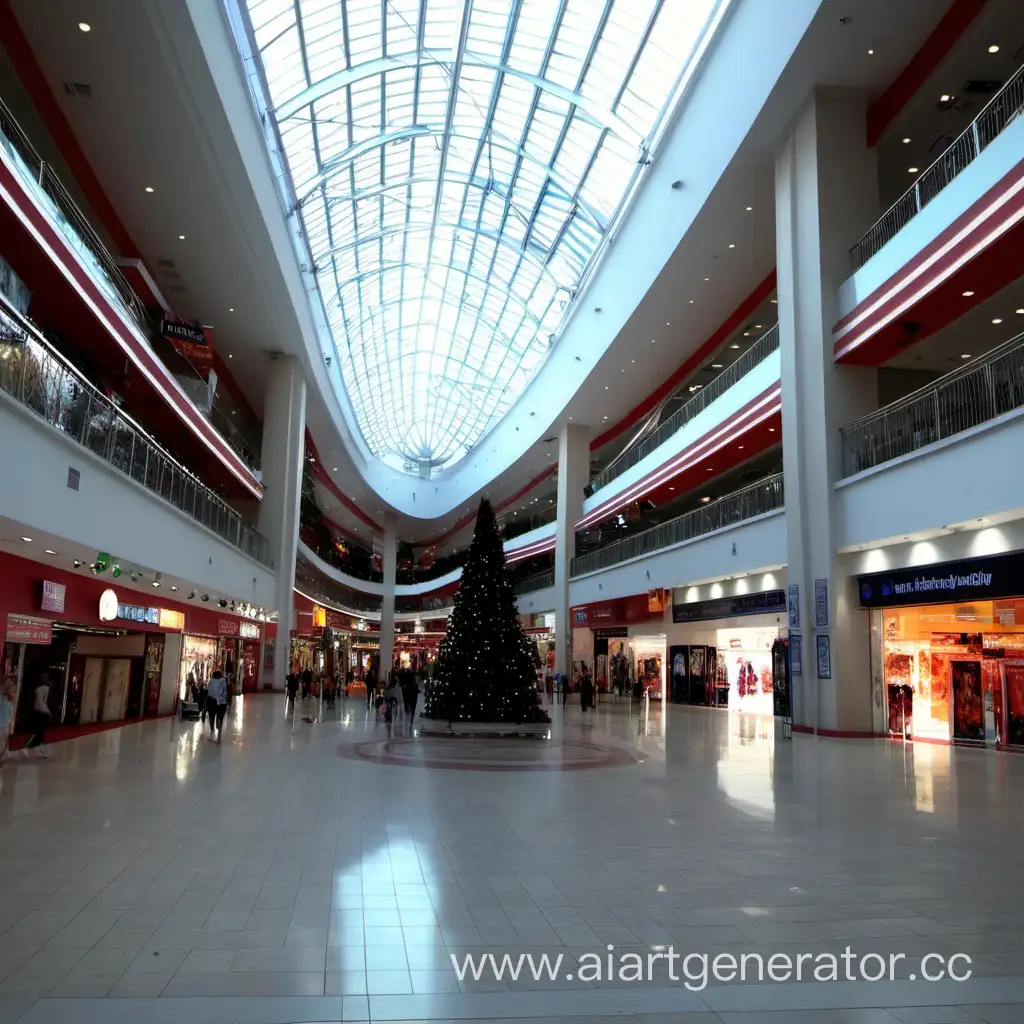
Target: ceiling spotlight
<point>871,52</point>
<point>78,563</point>
<point>84,26</point>
<point>27,540</point>
<point>771,430</point>
<point>997,320</point>
<point>716,366</point>
<point>734,346</point>
<point>707,278</point>
<point>231,309</point>
<point>993,49</point>
<point>606,387</point>
<point>191,595</point>
<point>174,590</point>
<point>204,598</point>
<point>668,323</point>
<point>230,355</point>
<point>710,470</point>
<point>1020,311</point>
<point>705,499</point>
<point>740,447</point>
<point>966,355</point>
<point>50,551</point>
<point>222,603</point>
<point>967,295</point>
<point>732,245</point>
<point>149,188</point>
<point>749,208</point>
<point>912,170</point>
<point>156,583</point>
<point>758,327</point>
<point>906,142</point>
<point>181,238</point>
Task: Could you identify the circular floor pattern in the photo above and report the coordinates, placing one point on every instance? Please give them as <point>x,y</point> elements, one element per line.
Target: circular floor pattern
<point>476,754</point>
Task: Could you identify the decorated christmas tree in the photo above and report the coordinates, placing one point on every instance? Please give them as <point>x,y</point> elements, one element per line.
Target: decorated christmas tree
<point>485,670</point>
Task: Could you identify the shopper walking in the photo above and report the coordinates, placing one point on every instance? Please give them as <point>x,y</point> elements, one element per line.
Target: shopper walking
<point>6,717</point>
<point>586,689</point>
<point>564,680</point>
<point>307,683</point>
<point>40,714</point>
<point>292,686</point>
<point>217,704</point>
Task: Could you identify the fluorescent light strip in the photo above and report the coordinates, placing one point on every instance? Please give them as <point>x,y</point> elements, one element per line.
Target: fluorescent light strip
<point>927,265</point>
<point>69,277</point>
<point>676,464</point>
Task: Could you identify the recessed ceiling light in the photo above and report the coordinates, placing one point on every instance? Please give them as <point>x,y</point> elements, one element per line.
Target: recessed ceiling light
<point>707,278</point>
<point>231,309</point>
<point>50,551</point>
<point>758,327</point>
<point>706,498</point>
<point>156,583</point>
<point>716,366</point>
<point>181,238</point>
<point>734,346</point>
<point>84,26</point>
<point>230,356</point>
<point>997,319</point>
<point>174,590</point>
<point>710,469</point>
<point>27,540</point>
<point>606,387</point>
<point>967,295</point>
<point>691,302</point>
<point>906,141</point>
<point>732,245</point>
<point>604,417</point>
<point>740,447</point>
<point>871,53</point>
<point>966,355</point>
<point>993,49</point>
<point>149,188</point>
<point>749,208</point>
<point>335,469</point>
<point>671,488</point>
<point>653,340</point>
<point>771,430</point>
<point>945,98</point>
<point>668,323</point>
<point>913,170</point>
<point>775,302</point>
<point>1020,310</point>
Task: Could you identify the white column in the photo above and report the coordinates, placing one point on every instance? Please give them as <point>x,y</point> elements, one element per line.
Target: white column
<point>281,459</point>
<point>387,607</point>
<point>826,196</point>
<point>573,476</point>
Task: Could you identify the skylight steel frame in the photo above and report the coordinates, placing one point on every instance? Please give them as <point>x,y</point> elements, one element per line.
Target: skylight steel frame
<point>437,339</point>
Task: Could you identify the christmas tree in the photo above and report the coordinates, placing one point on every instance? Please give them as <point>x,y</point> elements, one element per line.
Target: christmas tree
<point>484,670</point>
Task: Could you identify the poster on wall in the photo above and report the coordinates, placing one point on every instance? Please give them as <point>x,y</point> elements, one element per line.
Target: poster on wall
<point>824,651</point>
<point>268,654</point>
<point>794,606</point>
<point>821,603</point>
<point>796,655</point>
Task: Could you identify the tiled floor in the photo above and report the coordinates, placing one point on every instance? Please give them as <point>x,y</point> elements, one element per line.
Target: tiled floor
<point>146,874</point>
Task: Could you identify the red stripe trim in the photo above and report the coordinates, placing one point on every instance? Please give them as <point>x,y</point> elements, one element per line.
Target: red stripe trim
<point>742,313</point>
<point>890,104</point>
<point>995,213</point>
<point>753,412</point>
<point>114,321</point>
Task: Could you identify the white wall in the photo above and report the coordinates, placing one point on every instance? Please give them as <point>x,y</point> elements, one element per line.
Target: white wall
<point>111,512</point>
<point>749,546</point>
<point>956,198</point>
<point>966,477</point>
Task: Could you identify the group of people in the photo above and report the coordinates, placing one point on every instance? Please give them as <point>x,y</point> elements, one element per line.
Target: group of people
<point>583,683</point>
<point>41,716</point>
<point>326,684</point>
<point>212,699</point>
<point>403,689</point>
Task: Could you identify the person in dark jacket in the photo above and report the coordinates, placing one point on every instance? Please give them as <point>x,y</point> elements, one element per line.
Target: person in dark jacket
<point>292,686</point>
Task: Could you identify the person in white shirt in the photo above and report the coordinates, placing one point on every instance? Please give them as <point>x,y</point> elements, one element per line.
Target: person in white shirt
<point>40,714</point>
<point>217,703</point>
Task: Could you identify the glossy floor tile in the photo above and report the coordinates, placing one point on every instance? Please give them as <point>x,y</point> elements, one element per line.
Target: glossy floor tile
<point>301,872</point>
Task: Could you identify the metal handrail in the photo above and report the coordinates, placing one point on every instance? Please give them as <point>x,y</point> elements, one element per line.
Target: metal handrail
<point>973,393</point>
<point>34,374</point>
<point>234,437</point>
<point>754,500</point>
<point>759,351</point>
<point>999,112</point>
<point>39,175</point>
<point>539,581</point>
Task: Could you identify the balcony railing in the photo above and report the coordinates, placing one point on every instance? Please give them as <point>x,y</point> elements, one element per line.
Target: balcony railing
<point>38,377</point>
<point>759,351</point>
<point>999,112</point>
<point>764,496</point>
<point>976,392</point>
<point>541,581</point>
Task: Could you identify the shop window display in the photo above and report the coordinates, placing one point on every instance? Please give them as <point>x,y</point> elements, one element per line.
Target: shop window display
<point>954,672</point>
<point>748,664</point>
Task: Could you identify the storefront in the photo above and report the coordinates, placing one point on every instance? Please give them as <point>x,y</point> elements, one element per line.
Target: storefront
<point>730,652</point>
<point>947,650</point>
<point>108,655</point>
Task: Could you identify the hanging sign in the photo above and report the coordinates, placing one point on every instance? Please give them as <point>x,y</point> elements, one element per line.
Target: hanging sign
<point>24,629</point>
<point>249,630</point>
<point>191,340</point>
<point>227,627</point>
<point>821,603</point>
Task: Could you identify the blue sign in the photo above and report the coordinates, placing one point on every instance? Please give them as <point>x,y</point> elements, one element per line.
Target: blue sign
<point>133,613</point>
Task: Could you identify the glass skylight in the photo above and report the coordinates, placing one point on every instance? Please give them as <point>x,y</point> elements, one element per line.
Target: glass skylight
<point>457,164</point>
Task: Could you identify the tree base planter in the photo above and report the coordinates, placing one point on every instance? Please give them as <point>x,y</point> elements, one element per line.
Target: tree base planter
<point>437,727</point>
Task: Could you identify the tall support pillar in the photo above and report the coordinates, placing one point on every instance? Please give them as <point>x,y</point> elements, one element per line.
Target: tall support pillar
<point>387,607</point>
<point>281,458</point>
<point>573,476</point>
<point>826,196</point>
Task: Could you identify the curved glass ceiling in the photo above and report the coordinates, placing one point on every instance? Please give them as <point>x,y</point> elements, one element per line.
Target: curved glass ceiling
<point>457,164</point>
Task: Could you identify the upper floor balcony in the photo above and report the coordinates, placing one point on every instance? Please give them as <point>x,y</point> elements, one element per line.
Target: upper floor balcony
<point>35,376</point>
<point>61,249</point>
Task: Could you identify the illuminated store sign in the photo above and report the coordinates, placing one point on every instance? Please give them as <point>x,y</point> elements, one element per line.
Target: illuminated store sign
<point>972,579</point>
<point>165,618</point>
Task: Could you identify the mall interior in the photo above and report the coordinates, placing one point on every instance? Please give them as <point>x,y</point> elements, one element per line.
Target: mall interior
<point>719,304</point>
